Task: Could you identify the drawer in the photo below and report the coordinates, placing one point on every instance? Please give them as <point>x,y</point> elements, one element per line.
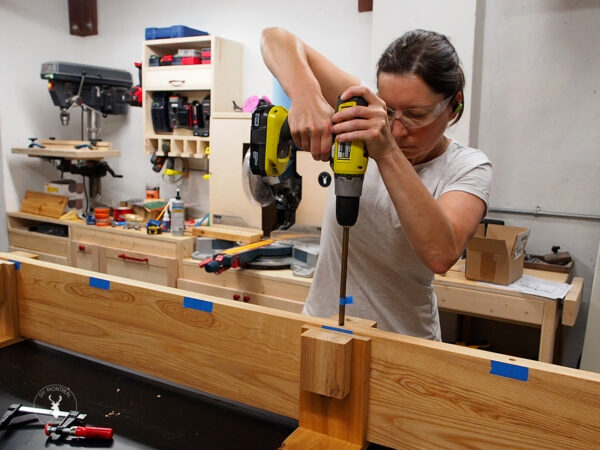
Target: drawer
<point>130,241</point>
<point>85,256</point>
<point>39,243</point>
<point>253,298</point>
<point>139,266</point>
<point>43,256</point>
<point>196,77</point>
<point>271,283</point>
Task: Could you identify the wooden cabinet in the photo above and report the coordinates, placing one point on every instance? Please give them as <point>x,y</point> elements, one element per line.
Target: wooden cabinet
<point>116,251</point>
<point>221,80</point>
<point>278,289</point>
<point>25,233</point>
<point>130,253</point>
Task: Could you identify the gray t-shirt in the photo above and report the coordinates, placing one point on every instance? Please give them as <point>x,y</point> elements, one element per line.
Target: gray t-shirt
<point>388,282</point>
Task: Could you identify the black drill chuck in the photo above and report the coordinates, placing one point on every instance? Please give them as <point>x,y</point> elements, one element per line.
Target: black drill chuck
<point>346,210</point>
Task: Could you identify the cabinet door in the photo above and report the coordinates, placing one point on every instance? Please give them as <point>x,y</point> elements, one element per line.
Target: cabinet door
<point>85,256</point>
<point>139,266</point>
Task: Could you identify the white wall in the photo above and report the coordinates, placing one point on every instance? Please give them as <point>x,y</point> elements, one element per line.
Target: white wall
<point>537,116</point>
<point>27,109</point>
<point>454,19</point>
<point>540,126</point>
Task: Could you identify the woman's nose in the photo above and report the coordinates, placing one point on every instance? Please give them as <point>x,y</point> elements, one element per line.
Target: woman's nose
<point>398,129</point>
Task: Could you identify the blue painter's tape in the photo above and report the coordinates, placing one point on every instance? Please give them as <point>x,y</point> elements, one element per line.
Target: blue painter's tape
<point>99,283</point>
<point>343,330</point>
<point>347,300</point>
<point>509,370</point>
<point>16,263</point>
<point>200,305</point>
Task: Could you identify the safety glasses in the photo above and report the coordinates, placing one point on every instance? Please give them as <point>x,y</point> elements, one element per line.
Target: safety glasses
<point>418,117</point>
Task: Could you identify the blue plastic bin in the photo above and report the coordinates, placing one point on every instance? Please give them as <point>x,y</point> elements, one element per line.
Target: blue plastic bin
<point>175,31</point>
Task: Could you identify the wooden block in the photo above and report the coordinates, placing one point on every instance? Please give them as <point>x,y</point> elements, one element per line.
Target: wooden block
<point>325,365</point>
<point>228,233</point>
<point>9,317</point>
<point>42,204</point>
<point>354,322</point>
<point>304,439</point>
<point>572,302</point>
<point>25,254</point>
<point>345,418</point>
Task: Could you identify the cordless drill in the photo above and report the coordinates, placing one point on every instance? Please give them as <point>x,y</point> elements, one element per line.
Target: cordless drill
<point>349,164</point>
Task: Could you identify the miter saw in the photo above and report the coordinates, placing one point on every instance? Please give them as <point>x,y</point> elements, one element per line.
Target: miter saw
<point>270,164</point>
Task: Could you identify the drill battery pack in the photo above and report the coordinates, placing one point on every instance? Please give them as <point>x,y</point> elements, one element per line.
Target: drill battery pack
<point>160,113</point>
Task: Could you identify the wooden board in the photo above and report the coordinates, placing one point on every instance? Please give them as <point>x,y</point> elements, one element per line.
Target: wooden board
<point>229,233</point>
<point>9,319</point>
<point>42,204</point>
<point>421,393</point>
<point>68,153</point>
<point>54,143</point>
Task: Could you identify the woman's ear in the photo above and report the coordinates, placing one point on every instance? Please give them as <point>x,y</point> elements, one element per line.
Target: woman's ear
<point>457,105</point>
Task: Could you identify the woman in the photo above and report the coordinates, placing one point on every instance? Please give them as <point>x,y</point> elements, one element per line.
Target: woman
<point>423,194</point>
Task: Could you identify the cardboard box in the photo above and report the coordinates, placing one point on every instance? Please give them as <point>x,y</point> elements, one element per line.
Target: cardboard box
<point>496,256</point>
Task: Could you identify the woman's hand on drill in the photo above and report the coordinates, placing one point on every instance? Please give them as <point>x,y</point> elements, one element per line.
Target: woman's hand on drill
<point>365,123</point>
<point>310,124</point>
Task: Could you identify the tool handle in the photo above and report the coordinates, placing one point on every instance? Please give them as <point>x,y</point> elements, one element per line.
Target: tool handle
<point>94,432</point>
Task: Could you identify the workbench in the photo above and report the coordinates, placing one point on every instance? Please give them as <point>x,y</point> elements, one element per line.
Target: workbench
<point>392,390</point>
<point>131,253</point>
<point>144,413</point>
<point>280,289</point>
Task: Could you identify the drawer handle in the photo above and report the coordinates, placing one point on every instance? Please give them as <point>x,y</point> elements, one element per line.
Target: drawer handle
<point>82,248</point>
<point>131,258</point>
<point>177,82</point>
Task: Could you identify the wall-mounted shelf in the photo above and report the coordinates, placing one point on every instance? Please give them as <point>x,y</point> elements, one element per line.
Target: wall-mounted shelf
<point>221,80</point>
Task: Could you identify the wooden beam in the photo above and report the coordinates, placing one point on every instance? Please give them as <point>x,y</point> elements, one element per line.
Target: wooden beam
<point>9,318</point>
<point>83,17</point>
<point>421,393</point>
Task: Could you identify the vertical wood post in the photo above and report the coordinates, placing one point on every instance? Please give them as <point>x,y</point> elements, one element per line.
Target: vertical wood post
<point>334,391</point>
<point>9,318</point>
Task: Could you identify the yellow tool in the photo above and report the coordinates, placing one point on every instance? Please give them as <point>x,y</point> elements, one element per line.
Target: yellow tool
<point>349,163</point>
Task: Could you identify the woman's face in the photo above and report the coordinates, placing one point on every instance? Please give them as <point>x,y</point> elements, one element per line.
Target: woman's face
<point>412,99</point>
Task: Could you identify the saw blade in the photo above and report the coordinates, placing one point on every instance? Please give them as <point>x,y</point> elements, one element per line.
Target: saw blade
<point>257,191</point>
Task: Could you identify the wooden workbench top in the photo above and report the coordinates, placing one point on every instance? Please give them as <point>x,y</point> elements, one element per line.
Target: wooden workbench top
<point>109,229</point>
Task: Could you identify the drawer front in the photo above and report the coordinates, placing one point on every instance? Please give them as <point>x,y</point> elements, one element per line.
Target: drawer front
<point>84,256</point>
<point>248,282</point>
<point>139,266</point>
<point>40,243</point>
<point>126,241</point>
<point>245,296</point>
<point>43,256</point>
<point>178,78</point>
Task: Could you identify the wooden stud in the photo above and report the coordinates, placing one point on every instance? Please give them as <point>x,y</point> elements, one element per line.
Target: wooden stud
<point>326,417</point>
<point>9,318</point>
